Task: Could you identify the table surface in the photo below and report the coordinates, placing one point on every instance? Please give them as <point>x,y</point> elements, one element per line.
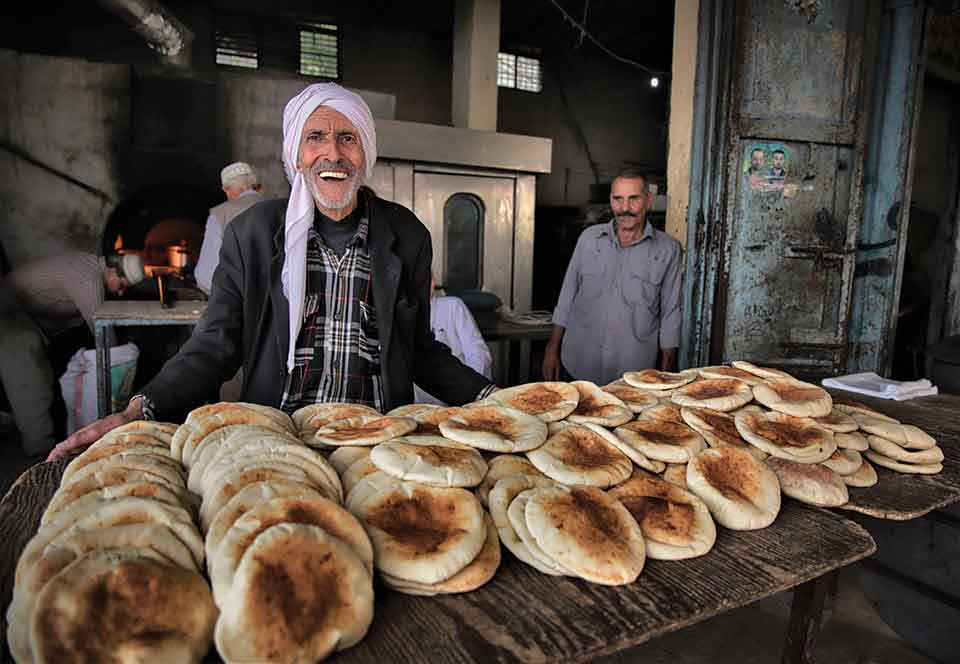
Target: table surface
<point>523,615</point>
<point>900,496</point>
<point>148,312</point>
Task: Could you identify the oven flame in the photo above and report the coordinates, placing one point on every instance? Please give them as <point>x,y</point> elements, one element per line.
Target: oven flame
<point>118,245</point>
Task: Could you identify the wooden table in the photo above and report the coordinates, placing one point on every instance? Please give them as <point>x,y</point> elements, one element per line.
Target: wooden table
<point>114,313</point>
<point>900,496</point>
<point>518,337</point>
<point>525,616</point>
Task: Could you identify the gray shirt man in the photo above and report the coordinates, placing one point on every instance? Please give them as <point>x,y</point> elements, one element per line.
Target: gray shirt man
<point>619,304</point>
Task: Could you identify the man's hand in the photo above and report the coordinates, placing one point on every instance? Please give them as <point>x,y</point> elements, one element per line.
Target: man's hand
<point>551,363</point>
<point>96,430</point>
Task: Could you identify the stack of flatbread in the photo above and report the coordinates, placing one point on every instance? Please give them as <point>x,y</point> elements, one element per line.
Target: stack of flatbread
<point>114,572</point>
<point>291,570</point>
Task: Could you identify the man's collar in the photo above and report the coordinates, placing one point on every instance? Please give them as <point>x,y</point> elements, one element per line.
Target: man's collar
<point>248,192</point>
<point>611,230</point>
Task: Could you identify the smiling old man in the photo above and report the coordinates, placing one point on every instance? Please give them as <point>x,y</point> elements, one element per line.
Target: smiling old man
<point>324,296</point>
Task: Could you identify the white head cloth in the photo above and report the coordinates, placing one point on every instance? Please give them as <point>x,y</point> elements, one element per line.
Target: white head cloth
<point>299,217</point>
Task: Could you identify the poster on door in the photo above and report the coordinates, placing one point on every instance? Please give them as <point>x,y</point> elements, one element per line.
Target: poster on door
<point>766,165</point>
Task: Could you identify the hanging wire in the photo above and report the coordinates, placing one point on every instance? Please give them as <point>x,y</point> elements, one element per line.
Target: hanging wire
<point>586,8</point>
<point>584,32</point>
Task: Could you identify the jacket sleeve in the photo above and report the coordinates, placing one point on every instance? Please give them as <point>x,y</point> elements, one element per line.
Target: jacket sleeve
<point>435,368</point>
<point>214,352</point>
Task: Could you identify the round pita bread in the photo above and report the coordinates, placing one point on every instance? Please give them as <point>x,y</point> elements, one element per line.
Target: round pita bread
<point>471,577</point>
<point>205,420</point>
<point>665,412</point>
<point>298,595</point>
<point>578,455</point>
<point>792,438</point>
<point>904,435</point>
<point>676,473</point>
<point>723,394</point>
<point>517,514</point>
<point>92,455</point>
<point>119,605</point>
<point>313,416</point>
<point>632,451</point>
<point>228,441</point>
<point>430,460</point>
<point>634,398</point>
<point>793,397</point>
<point>810,483</point>
<point>100,496</point>
<point>749,408</point>
<point>411,409</point>
<point>838,422</point>
<point>343,457</point>
<point>598,407</point>
<point>501,466</point>
<point>108,477</point>
<point>363,430</point>
<point>741,492</point>
<point>162,431</point>
<point>766,373</point>
<point>894,451</point>
<point>852,441</point>
<point>718,429</point>
<point>902,466</point>
<point>421,533</point>
<point>496,429</point>
<point>865,476</point>
<point>259,452</point>
<point>854,408</point>
<point>588,532</point>
<point>227,486</point>
<point>730,372</point>
<point>676,524</point>
<point>501,497</point>
<point>663,441</point>
<point>356,472</point>
<point>245,500</point>
<point>844,462</point>
<point>428,421</point>
<point>651,379</point>
<point>307,509</point>
<point>550,401</point>
<point>161,465</point>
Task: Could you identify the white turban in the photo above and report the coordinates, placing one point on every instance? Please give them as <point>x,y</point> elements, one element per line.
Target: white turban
<point>299,217</point>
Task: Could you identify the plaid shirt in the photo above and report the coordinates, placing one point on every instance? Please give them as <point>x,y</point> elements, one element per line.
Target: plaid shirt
<point>337,356</point>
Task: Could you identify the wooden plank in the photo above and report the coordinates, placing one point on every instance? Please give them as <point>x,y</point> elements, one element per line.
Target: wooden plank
<point>148,312</point>
<point>523,615</point>
<point>900,496</point>
<point>804,627</point>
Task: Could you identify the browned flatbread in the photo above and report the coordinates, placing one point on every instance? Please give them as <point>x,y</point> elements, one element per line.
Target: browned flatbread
<point>428,421</point>
<point>676,473</point>
<point>635,398</point>
<point>851,407</point>
<point>598,407</point>
<point>788,437</point>
<point>664,411</point>
<point>730,372</point>
<point>866,476</point>
<point>718,429</point>
<point>496,429</point>
<point>652,379</point>
<point>578,455</point>
<point>793,397</point>
<point>741,492</point>
<point>499,467</point>
<point>550,401</point>
<point>837,421</point>
<point>662,441</point>
<point>766,373</point>
<point>723,394</point>
<point>676,524</point>
<point>810,483</point>
<point>363,430</point>
<point>844,462</point>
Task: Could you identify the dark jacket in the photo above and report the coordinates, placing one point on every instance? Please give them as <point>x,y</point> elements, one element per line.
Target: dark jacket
<point>246,322</point>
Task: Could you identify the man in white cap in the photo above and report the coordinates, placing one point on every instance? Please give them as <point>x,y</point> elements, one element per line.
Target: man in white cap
<point>242,186</point>
<point>39,300</point>
<point>322,297</point>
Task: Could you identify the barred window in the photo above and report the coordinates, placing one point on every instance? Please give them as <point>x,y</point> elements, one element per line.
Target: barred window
<point>320,50</point>
<point>237,43</point>
<point>519,72</point>
<point>311,48</point>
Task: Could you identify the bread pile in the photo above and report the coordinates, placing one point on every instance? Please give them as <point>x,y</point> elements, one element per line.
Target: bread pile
<point>291,569</point>
<point>114,572</point>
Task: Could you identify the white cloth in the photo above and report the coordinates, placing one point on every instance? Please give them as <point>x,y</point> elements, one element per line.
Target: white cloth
<point>873,385</point>
<point>210,250</point>
<point>453,324</point>
<point>300,207</point>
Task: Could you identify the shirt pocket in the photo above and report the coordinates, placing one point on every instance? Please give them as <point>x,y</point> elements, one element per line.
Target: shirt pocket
<point>593,280</point>
<point>642,296</point>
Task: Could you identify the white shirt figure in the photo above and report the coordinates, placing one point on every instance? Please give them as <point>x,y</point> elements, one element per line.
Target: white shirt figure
<point>210,249</point>
<point>453,324</point>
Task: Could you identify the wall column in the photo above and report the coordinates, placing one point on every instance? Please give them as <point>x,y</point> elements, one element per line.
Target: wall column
<point>682,85</point>
<point>476,41</point>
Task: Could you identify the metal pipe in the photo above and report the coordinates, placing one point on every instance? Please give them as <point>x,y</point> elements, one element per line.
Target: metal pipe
<point>164,33</point>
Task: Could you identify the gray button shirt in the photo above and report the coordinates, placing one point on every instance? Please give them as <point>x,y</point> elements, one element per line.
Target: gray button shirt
<point>619,304</point>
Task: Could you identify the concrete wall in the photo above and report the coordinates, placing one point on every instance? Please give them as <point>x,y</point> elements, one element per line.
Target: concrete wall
<point>60,120</point>
<point>681,137</point>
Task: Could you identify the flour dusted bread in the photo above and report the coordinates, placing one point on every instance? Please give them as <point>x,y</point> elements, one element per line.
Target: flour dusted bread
<point>598,407</point>
<point>432,460</point>
<point>792,397</point>
<point>118,605</point>
<point>496,429</point>
<point>588,532</point>
<point>810,483</point>
<point>420,533</point>
<point>723,394</point>
<point>786,436</point>
<point>550,401</point>
<point>741,492</point>
<point>579,455</point>
<point>299,595</point>
<point>676,524</point>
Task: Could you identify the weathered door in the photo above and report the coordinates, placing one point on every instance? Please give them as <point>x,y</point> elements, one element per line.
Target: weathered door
<point>794,183</point>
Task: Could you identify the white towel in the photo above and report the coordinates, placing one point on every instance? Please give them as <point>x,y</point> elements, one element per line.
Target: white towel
<point>873,385</point>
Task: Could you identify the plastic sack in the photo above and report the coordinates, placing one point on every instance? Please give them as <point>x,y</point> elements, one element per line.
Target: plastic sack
<point>79,383</point>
